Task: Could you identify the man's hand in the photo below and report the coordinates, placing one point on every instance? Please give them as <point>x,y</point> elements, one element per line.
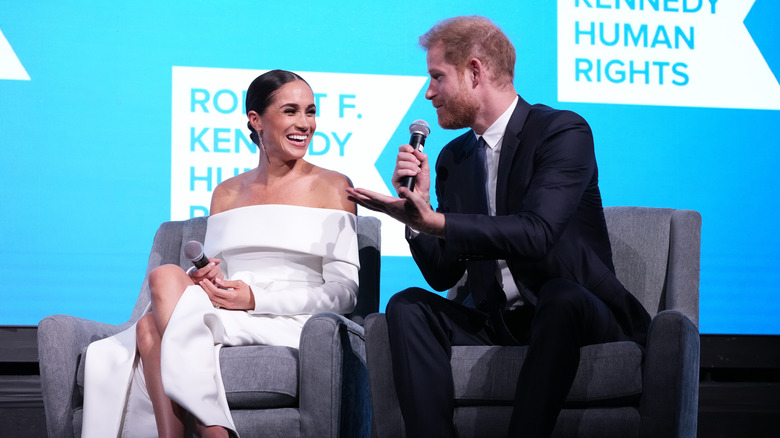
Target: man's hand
<point>411,162</point>
<point>410,209</point>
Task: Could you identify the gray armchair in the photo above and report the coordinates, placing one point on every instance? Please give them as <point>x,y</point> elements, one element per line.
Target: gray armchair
<point>621,389</point>
<point>320,390</point>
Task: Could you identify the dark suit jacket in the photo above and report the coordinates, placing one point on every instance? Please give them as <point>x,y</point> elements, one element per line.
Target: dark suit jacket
<point>549,219</point>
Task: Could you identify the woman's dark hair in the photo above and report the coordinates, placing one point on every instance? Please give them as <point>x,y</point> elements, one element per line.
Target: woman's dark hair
<point>262,90</point>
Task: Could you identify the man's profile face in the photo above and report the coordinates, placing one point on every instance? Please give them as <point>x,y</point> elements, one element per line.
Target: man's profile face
<point>456,107</point>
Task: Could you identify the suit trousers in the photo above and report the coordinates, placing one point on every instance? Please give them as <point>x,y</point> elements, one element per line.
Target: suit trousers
<point>423,326</point>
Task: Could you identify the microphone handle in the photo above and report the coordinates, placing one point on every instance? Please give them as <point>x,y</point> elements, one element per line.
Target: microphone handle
<point>201,262</point>
<point>417,141</point>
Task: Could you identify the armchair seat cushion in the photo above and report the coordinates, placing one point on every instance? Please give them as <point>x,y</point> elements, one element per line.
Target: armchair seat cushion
<point>255,376</point>
<point>259,376</point>
<point>609,374</point>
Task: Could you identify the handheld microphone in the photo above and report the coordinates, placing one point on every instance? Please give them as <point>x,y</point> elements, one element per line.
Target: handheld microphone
<point>419,130</point>
<point>193,250</point>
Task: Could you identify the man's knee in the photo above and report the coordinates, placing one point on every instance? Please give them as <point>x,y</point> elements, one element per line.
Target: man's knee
<point>406,298</point>
<point>563,303</point>
<point>407,306</point>
<point>562,293</point>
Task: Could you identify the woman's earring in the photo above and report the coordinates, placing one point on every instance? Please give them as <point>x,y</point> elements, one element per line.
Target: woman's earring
<point>262,146</point>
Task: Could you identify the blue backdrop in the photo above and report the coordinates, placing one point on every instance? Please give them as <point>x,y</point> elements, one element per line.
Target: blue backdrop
<point>86,126</point>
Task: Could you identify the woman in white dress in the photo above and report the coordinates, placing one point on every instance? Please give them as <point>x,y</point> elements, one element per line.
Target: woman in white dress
<point>283,236</point>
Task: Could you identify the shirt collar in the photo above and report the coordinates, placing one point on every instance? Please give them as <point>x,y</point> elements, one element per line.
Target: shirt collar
<point>495,132</point>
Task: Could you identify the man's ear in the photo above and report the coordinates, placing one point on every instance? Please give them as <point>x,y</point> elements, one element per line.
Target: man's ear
<point>476,71</point>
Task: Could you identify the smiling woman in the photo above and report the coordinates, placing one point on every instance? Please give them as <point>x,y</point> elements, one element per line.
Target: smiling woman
<point>282,113</point>
<point>290,116</point>
<point>259,288</point>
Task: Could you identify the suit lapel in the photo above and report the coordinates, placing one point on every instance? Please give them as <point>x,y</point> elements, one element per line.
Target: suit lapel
<point>509,147</point>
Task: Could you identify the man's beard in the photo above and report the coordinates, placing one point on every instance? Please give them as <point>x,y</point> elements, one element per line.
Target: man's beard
<point>459,111</point>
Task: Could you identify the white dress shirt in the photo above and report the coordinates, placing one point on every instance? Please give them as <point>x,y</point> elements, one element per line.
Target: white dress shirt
<point>493,137</point>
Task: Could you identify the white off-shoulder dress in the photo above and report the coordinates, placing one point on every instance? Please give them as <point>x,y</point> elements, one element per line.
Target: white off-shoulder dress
<point>299,261</point>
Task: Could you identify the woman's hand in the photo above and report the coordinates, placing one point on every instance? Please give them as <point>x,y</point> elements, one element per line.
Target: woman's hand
<point>210,272</point>
<point>233,295</point>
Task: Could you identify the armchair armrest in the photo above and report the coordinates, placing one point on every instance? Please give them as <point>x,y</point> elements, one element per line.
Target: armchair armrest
<point>333,378</point>
<point>389,422</point>
<point>669,402</point>
<point>62,340</point>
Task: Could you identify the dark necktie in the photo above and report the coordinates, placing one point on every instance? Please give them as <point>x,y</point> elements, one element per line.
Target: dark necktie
<point>482,167</point>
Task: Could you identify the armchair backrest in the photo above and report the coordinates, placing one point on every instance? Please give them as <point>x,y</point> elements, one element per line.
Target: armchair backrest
<point>172,235</point>
<point>656,252</point>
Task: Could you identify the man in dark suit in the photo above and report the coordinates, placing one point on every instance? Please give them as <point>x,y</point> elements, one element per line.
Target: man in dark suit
<point>519,237</point>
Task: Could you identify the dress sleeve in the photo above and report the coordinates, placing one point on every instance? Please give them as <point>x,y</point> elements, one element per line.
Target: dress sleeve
<point>337,294</point>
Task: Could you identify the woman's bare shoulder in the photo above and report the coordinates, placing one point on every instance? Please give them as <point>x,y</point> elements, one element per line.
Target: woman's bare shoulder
<point>331,189</point>
<point>226,192</point>
<point>334,178</point>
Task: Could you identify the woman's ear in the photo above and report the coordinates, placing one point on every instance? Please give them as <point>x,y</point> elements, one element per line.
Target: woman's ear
<point>255,121</point>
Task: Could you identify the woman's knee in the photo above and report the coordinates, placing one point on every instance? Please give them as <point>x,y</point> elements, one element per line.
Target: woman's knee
<point>164,276</point>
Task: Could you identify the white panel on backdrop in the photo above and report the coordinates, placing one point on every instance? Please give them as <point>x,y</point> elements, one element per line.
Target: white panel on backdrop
<point>10,67</point>
<point>691,53</point>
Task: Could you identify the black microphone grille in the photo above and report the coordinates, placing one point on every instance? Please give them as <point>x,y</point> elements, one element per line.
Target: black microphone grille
<point>420,126</point>
<point>193,250</point>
